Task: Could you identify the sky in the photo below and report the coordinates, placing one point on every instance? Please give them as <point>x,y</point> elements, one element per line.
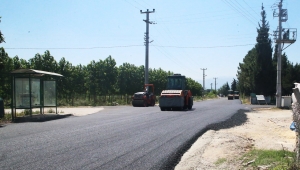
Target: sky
<point>188,35</point>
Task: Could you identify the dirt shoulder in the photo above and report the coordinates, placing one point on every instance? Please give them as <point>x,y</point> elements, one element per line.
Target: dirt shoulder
<point>263,129</point>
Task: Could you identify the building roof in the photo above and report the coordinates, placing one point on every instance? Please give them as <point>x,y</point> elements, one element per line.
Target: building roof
<point>35,72</point>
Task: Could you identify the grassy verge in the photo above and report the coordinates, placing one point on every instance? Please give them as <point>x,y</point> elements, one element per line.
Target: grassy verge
<point>270,159</point>
<point>245,99</point>
<point>26,112</point>
<point>220,161</point>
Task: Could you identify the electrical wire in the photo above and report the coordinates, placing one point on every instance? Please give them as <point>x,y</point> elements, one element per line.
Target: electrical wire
<point>71,48</point>
<point>124,46</point>
<point>251,8</point>
<point>132,4</point>
<point>196,18</point>
<point>140,4</point>
<point>239,11</point>
<point>147,3</point>
<point>244,9</point>
<point>195,14</point>
<point>222,46</point>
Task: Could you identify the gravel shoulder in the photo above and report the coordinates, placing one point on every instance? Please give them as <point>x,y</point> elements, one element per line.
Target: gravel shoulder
<point>264,129</point>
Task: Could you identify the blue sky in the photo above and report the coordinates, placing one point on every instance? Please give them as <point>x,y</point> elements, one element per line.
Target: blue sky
<point>189,35</point>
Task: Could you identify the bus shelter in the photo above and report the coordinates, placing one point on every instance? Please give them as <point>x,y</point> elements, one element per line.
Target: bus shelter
<point>33,89</point>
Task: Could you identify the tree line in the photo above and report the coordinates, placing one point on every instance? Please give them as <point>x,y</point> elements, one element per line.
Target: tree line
<point>95,82</point>
<point>258,71</point>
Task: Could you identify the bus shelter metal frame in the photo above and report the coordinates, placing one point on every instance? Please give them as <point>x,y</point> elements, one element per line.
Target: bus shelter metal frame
<point>31,74</point>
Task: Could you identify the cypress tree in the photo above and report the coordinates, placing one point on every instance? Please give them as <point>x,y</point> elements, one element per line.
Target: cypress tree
<point>264,69</point>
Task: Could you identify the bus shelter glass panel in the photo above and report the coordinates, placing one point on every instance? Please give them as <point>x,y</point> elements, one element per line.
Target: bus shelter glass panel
<point>22,92</point>
<point>49,93</point>
<point>35,92</point>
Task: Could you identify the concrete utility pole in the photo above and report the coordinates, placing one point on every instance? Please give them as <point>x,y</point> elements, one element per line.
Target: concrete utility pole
<point>288,37</point>
<point>203,77</point>
<point>278,93</point>
<point>215,83</point>
<point>147,42</point>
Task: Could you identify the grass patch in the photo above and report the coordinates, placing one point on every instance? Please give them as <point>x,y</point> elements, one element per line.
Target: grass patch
<point>245,99</point>
<point>220,161</point>
<point>26,112</point>
<point>51,110</point>
<point>273,159</point>
<point>6,118</point>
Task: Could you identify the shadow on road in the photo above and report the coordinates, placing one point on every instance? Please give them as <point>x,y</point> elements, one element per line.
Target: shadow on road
<point>40,118</point>
<point>236,120</point>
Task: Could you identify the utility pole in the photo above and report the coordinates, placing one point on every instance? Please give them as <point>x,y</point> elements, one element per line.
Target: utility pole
<point>288,37</point>
<point>211,86</point>
<point>215,83</point>
<point>147,43</point>
<point>203,77</point>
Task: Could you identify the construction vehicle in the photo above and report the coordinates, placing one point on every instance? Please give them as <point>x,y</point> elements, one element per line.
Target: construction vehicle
<point>176,96</point>
<point>145,98</point>
<point>236,95</point>
<point>230,95</point>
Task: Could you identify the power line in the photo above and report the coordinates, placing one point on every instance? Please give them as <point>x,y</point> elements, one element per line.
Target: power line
<point>172,38</point>
<point>239,11</point>
<point>250,7</point>
<point>139,4</point>
<point>225,46</point>
<point>194,14</point>
<point>244,9</point>
<point>194,18</point>
<point>121,46</point>
<point>147,3</point>
<point>69,48</point>
<point>131,4</point>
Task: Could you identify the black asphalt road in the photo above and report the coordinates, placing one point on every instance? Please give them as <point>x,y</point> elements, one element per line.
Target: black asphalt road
<point>118,137</point>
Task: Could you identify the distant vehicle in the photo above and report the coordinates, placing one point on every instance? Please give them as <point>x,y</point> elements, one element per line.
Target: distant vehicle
<point>145,98</point>
<point>176,96</point>
<point>236,95</point>
<point>230,95</point>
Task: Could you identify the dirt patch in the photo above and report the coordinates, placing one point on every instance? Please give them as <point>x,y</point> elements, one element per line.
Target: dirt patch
<point>221,148</point>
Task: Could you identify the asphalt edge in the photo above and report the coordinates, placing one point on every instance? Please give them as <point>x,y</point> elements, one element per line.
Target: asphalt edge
<point>236,119</point>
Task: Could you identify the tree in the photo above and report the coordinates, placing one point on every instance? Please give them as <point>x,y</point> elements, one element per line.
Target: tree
<point>110,75</point>
<point>234,85</point>
<point>1,41</point>
<point>44,62</point>
<point>195,87</point>
<point>158,77</point>
<point>288,73</point>
<point>264,67</point>
<point>1,35</point>
<point>224,89</point>
<point>5,82</point>
<point>64,85</point>
<point>256,73</point>
<point>246,73</point>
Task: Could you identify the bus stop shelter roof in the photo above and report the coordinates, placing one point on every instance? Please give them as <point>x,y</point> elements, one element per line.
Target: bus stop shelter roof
<point>35,72</point>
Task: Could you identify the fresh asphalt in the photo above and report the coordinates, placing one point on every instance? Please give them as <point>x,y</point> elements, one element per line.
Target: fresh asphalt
<point>118,137</point>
